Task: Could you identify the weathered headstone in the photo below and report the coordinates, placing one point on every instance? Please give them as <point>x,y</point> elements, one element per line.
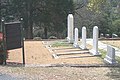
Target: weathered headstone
<point>94,51</point>
<point>70,28</point>
<point>114,36</point>
<point>110,57</point>
<point>76,38</point>
<point>101,35</point>
<point>83,46</point>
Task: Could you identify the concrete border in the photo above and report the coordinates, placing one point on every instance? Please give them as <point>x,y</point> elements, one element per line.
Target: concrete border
<point>73,65</point>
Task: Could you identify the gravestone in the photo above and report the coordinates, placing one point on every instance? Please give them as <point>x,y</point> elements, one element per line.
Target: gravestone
<point>94,50</point>
<point>76,38</point>
<point>70,28</point>
<point>83,46</point>
<point>101,35</point>
<point>114,36</point>
<point>110,57</point>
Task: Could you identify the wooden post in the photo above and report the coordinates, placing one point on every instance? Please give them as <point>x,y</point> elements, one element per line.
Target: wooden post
<point>4,42</point>
<point>22,39</point>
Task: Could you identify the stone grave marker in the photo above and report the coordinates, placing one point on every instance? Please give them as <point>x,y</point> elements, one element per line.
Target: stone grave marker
<point>110,57</point>
<point>76,38</point>
<point>101,35</point>
<point>70,28</point>
<point>94,50</point>
<point>83,46</point>
<point>114,36</point>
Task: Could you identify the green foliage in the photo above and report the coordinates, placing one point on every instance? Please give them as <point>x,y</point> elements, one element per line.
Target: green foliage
<point>58,15</point>
<point>50,14</point>
<point>105,24</point>
<point>96,5</point>
<point>103,53</point>
<point>101,13</point>
<point>116,26</point>
<point>118,59</point>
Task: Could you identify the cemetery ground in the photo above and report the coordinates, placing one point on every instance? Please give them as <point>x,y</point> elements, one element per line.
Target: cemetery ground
<point>115,43</point>
<point>47,52</point>
<point>39,52</point>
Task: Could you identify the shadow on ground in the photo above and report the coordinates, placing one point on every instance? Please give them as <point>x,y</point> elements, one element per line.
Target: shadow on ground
<point>14,64</point>
<point>114,73</point>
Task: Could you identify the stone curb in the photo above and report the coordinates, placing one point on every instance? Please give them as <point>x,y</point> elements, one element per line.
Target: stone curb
<point>74,65</point>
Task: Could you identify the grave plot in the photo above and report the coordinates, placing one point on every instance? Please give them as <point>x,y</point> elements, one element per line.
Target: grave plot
<point>37,53</point>
<point>67,54</point>
<point>70,25</point>
<point>64,51</point>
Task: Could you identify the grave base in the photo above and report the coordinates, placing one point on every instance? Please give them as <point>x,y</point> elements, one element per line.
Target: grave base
<point>76,45</point>
<point>70,41</point>
<point>83,48</point>
<point>68,38</point>
<point>110,60</point>
<point>94,52</point>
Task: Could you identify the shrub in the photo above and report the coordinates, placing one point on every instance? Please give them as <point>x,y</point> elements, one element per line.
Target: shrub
<point>2,50</point>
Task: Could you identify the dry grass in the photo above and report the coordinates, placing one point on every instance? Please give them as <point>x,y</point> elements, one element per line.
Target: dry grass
<point>115,43</point>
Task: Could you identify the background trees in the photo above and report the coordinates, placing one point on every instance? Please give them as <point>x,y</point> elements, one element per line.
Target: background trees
<point>44,18</point>
<point>101,13</point>
<point>47,15</point>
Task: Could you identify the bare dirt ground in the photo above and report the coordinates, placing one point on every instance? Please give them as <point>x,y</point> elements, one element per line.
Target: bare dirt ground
<point>37,53</point>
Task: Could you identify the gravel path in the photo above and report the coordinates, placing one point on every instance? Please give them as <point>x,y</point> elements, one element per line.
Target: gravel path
<point>59,73</point>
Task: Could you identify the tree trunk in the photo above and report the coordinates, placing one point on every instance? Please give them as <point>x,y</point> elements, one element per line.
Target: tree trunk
<point>45,32</point>
<point>30,31</point>
<point>29,21</point>
<point>0,15</point>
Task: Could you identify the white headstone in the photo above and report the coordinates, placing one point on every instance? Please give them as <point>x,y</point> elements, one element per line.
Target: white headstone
<point>76,38</point>
<point>110,57</point>
<point>70,28</point>
<point>83,46</point>
<point>94,51</point>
